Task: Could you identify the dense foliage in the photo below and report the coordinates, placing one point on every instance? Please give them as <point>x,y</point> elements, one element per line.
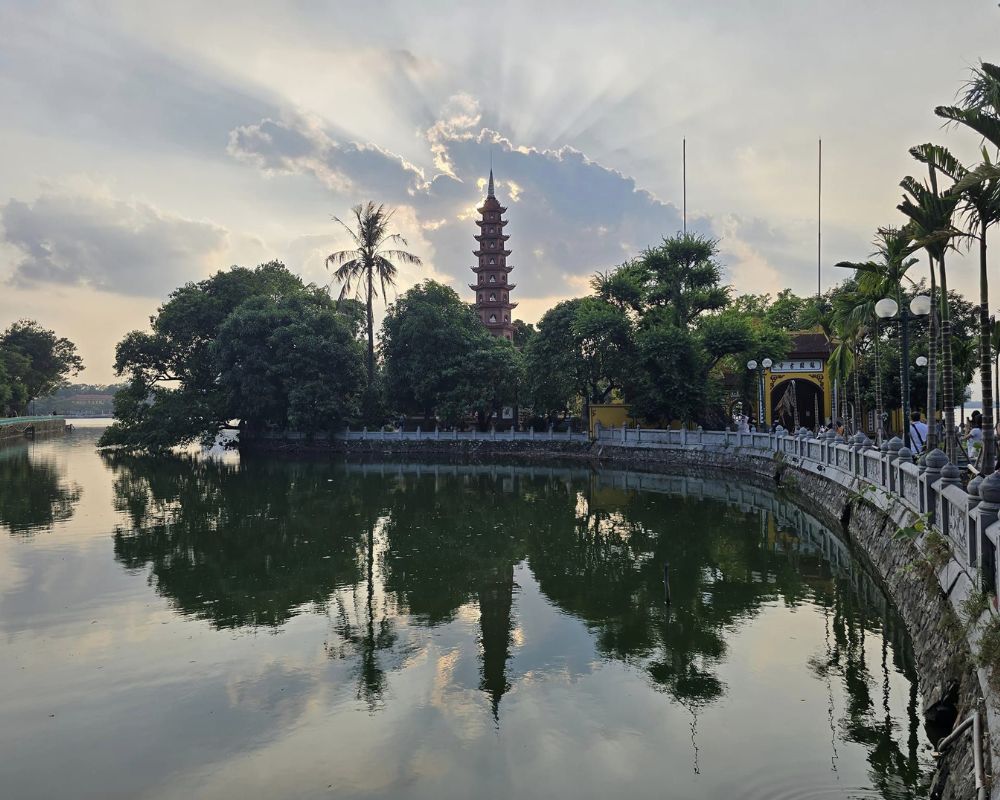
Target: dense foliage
<point>33,362</point>
<point>254,348</point>
<point>661,332</point>
<point>440,359</point>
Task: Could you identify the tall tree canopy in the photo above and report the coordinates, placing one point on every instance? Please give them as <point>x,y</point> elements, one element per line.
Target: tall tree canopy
<point>440,358</point>
<point>250,347</point>
<point>33,362</point>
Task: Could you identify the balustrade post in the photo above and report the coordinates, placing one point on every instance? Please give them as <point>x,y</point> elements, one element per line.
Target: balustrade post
<point>972,523</point>
<point>904,456</point>
<point>987,512</point>
<point>933,464</point>
<point>950,476</point>
<point>894,445</point>
<point>364,432</point>
<point>550,430</point>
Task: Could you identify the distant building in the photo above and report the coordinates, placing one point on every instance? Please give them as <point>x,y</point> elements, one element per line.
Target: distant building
<point>799,391</point>
<point>492,287</point>
<point>91,399</point>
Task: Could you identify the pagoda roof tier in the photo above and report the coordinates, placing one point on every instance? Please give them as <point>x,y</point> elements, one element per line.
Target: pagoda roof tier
<point>490,207</point>
<point>496,306</point>
<point>492,268</point>
<point>481,222</point>
<point>480,253</point>
<point>481,236</point>
<point>506,287</point>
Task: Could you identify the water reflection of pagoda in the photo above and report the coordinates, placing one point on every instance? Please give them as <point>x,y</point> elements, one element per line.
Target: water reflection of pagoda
<point>496,600</point>
<point>492,289</point>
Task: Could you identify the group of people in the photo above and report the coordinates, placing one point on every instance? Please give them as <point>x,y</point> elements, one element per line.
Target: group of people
<point>971,434</point>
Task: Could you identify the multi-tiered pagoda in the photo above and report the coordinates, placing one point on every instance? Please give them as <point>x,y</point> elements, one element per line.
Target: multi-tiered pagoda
<point>492,287</point>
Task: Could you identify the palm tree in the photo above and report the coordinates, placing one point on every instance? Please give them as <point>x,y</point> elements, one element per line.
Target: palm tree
<point>980,112</point>
<point>369,266</point>
<point>981,203</point>
<point>930,212</point>
<point>894,248</point>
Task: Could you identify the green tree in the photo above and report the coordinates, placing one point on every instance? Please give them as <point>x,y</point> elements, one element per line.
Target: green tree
<point>35,362</point>
<point>582,350</point>
<point>291,364</point>
<point>175,392</point>
<point>880,277</point>
<point>930,212</point>
<point>980,113</point>
<point>440,358</point>
<point>368,267</point>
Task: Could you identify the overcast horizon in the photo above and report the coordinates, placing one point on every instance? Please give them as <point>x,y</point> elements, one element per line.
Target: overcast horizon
<point>152,145</point>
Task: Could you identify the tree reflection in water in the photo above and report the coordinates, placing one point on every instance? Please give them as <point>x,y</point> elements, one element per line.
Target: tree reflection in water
<point>34,494</point>
<point>251,545</point>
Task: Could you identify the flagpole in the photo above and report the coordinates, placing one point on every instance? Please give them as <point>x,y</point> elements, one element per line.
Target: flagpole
<point>684,163</point>
<point>819,222</point>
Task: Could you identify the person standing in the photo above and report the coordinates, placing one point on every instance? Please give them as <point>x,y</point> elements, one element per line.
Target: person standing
<point>974,437</point>
<point>918,433</point>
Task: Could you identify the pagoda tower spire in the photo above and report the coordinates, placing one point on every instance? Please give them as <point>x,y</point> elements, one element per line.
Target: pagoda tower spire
<point>492,286</point>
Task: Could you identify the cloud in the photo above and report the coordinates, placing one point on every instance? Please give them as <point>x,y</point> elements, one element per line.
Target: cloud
<point>97,241</point>
<point>570,215</point>
<point>303,147</point>
<point>91,81</point>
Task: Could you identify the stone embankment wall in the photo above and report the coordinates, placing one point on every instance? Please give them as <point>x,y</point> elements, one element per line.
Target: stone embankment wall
<point>932,576</point>
<point>19,427</point>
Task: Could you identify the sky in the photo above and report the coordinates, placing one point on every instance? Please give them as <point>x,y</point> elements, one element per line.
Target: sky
<point>150,144</point>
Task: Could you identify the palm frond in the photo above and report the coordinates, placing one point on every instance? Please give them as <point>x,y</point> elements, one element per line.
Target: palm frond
<point>939,158</point>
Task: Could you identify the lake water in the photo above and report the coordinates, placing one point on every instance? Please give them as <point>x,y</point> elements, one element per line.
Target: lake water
<point>202,628</point>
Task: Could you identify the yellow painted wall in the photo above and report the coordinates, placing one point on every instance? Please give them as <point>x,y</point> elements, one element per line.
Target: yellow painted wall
<point>610,415</point>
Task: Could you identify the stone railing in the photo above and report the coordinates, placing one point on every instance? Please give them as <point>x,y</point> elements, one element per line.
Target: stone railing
<point>890,477</point>
<point>434,435</point>
<point>931,491</point>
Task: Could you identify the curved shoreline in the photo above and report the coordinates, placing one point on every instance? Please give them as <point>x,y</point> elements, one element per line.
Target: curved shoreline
<point>873,494</point>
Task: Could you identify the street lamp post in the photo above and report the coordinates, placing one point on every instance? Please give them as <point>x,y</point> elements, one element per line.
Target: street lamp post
<point>753,366</point>
<point>886,308</point>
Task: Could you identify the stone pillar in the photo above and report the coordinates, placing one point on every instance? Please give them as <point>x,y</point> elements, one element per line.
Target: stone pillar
<point>973,527</point>
<point>933,464</point>
<point>883,473</point>
<point>624,434</point>
<point>950,476</point>
<point>864,445</point>
<point>364,432</point>
<point>988,509</point>
<point>894,445</point>
<point>904,456</point>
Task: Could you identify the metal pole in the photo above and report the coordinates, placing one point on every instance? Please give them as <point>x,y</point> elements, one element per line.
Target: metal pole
<point>684,170</point>
<point>760,401</point>
<point>904,323</point>
<point>819,223</point>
